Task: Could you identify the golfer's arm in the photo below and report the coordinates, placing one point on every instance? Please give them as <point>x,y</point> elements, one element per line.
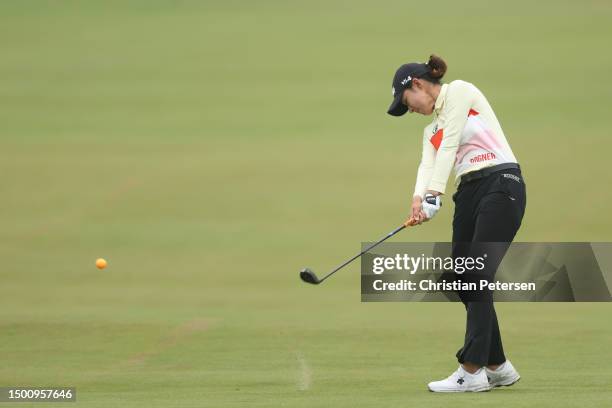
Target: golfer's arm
<point>452,120</point>
<point>425,168</point>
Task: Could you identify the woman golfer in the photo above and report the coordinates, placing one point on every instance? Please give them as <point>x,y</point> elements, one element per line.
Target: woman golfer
<point>489,202</point>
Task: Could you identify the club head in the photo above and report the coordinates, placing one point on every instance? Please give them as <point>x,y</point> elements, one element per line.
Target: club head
<point>309,276</point>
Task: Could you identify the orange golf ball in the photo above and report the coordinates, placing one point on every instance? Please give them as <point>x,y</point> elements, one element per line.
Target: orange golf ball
<point>101,263</point>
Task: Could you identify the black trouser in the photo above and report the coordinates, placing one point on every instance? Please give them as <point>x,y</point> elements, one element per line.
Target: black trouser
<point>487,210</point>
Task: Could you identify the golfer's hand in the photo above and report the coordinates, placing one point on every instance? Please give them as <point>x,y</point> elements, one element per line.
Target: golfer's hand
<point>431,205</point>
<point>417,216</point>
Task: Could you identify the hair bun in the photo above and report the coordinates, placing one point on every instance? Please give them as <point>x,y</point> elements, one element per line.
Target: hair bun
<point>437,66</point>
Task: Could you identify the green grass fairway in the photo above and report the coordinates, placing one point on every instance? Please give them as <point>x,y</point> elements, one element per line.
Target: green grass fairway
<point>210,149</point>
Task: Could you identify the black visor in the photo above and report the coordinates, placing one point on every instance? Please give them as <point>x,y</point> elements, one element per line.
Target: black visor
<point>401,81</point>
<point>397,107</point>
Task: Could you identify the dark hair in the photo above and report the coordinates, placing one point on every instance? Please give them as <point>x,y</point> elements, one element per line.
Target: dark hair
<point>436,68</point>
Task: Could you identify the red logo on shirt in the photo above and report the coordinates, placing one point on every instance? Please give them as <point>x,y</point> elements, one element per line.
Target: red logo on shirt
<point>437,139</point>
<point>482,157</point>
<point>472,112</point>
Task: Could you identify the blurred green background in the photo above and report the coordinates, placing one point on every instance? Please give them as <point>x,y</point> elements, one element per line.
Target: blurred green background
<point>209,150</point>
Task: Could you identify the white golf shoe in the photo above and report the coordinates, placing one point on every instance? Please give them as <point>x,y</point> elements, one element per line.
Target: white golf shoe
<point>462,381</point>
<point>504,375</point>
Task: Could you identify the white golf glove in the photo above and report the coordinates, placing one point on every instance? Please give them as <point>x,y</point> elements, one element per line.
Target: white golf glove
<point>431,205</point>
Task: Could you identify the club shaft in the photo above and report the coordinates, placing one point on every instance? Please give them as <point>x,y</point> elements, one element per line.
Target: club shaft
<point>386,237</point>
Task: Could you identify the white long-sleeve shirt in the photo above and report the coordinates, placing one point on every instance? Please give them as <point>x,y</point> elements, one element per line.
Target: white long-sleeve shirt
<point>464,134</point>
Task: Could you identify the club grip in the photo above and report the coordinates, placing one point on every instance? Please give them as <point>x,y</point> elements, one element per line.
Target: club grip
<point>409,223</point>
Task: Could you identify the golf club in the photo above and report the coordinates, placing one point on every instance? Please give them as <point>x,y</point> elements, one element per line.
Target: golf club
<point>309,276</point>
